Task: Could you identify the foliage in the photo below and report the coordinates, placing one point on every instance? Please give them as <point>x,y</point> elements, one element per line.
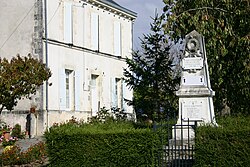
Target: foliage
<point>100,144</point>
<point>36,152</point>
<point>101,116</point>
<point>14,156</point>
<point>226,145</point>
<point>5,128</point>
<point>8,142</point>
<point>17,132</point>
<point>14,134</point>
<point>95,125</point>
<point>2,124</point>
<point>151,75</point>
<point>225,26</point>
<point>104,115</point>
<point>20,77</point>
<point>8,157</point>
<point>119,115</point>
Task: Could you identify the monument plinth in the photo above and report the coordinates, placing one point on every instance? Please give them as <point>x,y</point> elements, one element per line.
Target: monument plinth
<point>195,93</point>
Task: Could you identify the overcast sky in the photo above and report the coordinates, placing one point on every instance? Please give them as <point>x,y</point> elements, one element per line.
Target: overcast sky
<point>145,9</point>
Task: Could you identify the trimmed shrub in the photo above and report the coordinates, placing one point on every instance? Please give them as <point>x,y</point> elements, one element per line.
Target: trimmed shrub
<point>102,144</point>
<point>17,132</point>
<point>226,145</point>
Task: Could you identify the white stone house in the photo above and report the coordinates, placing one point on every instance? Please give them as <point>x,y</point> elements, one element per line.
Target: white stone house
<point>84,43</point>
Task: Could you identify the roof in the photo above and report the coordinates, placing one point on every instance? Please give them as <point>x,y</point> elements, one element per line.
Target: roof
<point>117,6</point>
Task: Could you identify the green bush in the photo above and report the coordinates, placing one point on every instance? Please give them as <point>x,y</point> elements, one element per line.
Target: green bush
<point>101,144</point>
<point>9,142</point>
<point>226,145</point>
<point>17,132</point>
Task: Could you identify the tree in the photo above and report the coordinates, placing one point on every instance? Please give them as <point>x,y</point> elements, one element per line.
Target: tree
<point>20,77</point>
<point>225,26</point>
<point>151,74</point>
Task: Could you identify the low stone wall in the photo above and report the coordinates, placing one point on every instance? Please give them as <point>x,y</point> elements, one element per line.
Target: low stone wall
<point>15,117</point>
<point>43,120</point>
<point>62,116</point>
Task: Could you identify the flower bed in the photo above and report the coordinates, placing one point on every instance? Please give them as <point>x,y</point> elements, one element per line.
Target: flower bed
<point>12,155</point>
<point>10,135</point>
<point>8,141</point>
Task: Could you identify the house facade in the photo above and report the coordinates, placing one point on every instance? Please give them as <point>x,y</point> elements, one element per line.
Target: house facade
<point>84,43</point>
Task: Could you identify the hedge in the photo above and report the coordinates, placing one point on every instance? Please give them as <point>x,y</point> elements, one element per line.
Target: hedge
<point>226,145</point>
<point>101,145</point>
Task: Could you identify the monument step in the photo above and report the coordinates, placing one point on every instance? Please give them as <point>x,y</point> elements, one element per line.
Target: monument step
<point>181,143</point>
<point>180,153</point>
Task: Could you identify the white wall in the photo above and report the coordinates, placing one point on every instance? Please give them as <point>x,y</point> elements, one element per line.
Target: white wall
<point>77,56</point>
<point>16,28</point>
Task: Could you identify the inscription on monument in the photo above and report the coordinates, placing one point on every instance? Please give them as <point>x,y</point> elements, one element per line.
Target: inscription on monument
<point>193,109</point>
<point>192,63</point>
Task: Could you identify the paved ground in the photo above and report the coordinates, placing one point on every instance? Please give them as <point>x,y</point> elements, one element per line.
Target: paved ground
<point>24,144</point>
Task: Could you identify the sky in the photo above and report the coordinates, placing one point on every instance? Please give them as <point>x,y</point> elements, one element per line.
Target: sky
<point>145,10</point>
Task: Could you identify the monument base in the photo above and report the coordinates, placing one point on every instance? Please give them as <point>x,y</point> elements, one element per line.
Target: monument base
<point>183,133</point>
<point>196,109</point>
<point>193,111</point>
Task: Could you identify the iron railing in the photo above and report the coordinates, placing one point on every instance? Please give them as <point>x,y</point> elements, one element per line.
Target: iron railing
<point>176,147</point>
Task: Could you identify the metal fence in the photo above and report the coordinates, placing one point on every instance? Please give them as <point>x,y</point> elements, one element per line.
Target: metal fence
<point>176,147</point>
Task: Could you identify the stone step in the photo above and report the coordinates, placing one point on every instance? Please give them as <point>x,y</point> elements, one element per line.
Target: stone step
<point>184,142</point>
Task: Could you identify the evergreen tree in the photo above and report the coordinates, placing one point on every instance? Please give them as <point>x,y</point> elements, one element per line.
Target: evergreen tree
<point>151,74</point>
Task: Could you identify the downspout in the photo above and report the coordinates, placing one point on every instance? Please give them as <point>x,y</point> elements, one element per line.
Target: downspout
<point>132,49</point>
<point>46,58</point>
<point>132,32</point>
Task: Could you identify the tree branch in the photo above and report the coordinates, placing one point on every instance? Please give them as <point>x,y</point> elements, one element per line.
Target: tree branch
<point>210,8</point>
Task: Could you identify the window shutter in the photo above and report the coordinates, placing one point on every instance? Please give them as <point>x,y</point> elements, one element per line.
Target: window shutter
<point>117,38</point>
<point>124,96</point>
<point>77,91</point>
<point>95,31</point>
<point>62,90</point>
<point>113,93</point>
<point>68,33</point>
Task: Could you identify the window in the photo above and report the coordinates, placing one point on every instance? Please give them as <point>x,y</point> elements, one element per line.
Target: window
<point>116,92</point>
<point>67,72</point>
<point>94,31</point>
<point>95,97</point>
<point>69,98</point>
<point>68,25</point>
<point>117,38</point>
<point>125,95</point>
<point>69,89</point>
